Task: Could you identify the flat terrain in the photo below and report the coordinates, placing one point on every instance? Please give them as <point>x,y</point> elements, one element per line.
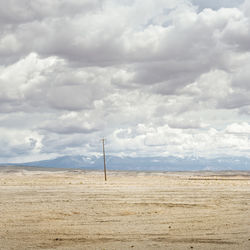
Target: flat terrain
<point>78,210</point>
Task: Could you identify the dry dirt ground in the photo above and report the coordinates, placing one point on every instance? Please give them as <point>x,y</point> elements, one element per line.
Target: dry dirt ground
<point>78,210</point>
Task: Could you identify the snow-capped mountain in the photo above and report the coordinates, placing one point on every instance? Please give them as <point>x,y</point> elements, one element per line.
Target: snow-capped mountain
<point>146,163</point>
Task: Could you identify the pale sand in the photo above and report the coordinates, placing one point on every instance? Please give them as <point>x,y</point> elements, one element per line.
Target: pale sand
<point>78,210</point>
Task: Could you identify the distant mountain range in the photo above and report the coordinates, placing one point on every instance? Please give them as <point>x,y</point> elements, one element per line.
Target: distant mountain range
<point>146,163</point>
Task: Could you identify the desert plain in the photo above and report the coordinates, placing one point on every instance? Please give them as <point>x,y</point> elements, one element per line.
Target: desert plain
<point>77,209</point>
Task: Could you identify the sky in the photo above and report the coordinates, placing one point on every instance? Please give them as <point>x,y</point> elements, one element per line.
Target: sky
<point>154,77</point>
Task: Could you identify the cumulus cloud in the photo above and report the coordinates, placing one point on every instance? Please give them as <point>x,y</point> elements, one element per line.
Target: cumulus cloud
<point>153,77</point>
<point>71,123</point>
<point>15,142</point>
<point>217,4</point>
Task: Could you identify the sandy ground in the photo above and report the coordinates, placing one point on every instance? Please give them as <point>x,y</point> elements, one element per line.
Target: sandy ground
<point>78,210</point>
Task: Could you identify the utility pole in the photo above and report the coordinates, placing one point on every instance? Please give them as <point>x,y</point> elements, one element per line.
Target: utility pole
<point>104,160</point>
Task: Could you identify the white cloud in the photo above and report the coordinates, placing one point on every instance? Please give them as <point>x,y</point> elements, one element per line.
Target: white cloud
<point>15,142</point>
<point>238,128</point>
<point>153,77</point>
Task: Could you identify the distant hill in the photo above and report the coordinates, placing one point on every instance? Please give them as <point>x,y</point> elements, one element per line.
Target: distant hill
<point>146,163</point>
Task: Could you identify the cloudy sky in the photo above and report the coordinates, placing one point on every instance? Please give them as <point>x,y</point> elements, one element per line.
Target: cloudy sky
<point>154,77</point>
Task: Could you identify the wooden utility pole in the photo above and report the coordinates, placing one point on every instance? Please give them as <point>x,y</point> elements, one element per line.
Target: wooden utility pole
<point>104,160</point>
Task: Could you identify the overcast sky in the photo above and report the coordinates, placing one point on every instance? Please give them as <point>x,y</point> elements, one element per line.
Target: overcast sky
<point>154,77</point>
